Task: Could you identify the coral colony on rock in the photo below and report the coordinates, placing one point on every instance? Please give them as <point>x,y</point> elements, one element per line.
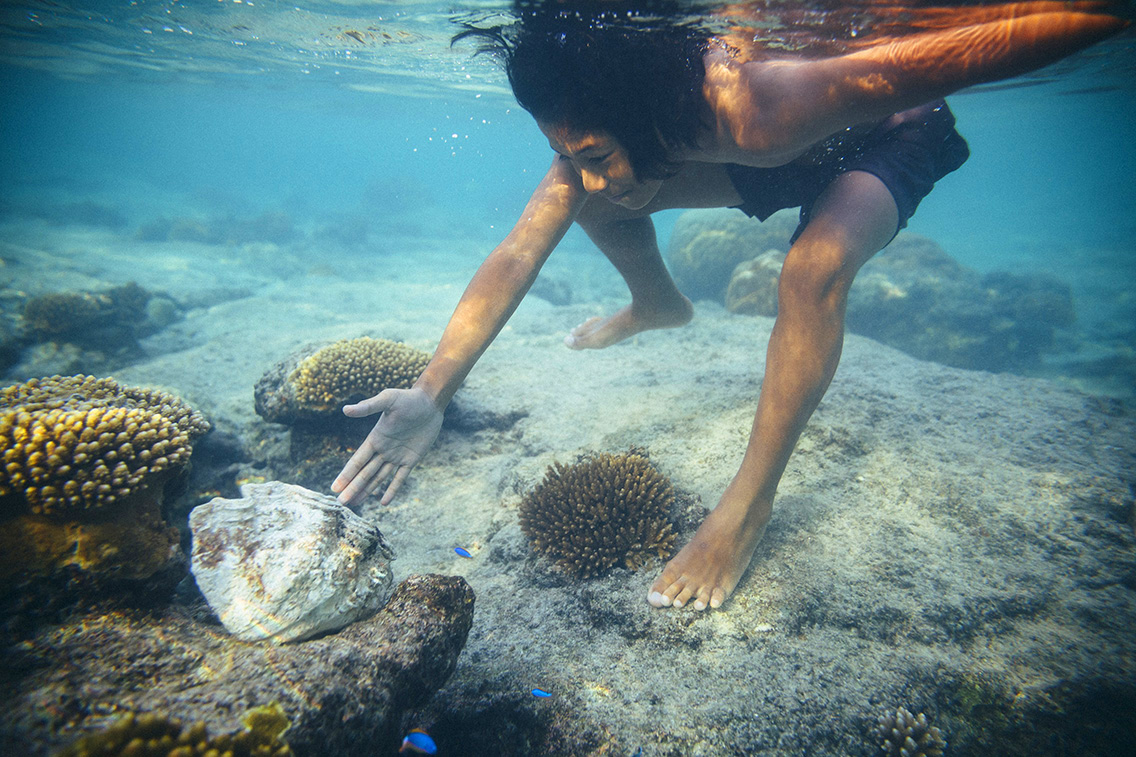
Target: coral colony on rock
<point>87,331</point>
<point>353,369</point>
<point>307,391</point>
<point>86,461</point>
<point>602,512</point>
<point>159,736</point>
<point>902,734</point>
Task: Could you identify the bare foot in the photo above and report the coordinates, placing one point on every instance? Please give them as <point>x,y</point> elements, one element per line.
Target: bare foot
<point>597,333</point>
<point>708,568</point>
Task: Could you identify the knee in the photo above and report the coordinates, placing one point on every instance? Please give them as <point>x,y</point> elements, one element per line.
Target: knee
<point>815,278</point>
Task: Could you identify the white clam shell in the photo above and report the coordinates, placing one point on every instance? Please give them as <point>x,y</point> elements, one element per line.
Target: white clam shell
<point>286,563</point>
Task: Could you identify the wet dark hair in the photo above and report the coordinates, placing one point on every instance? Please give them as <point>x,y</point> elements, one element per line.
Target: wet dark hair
<point>606,66</point>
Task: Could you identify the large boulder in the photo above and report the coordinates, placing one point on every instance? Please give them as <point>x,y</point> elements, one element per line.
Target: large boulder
<point>913,296</point>
<point>344,694</point>
<point>707,245</point>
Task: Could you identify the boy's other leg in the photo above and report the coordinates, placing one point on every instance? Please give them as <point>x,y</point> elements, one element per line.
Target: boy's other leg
<point>632,247</point>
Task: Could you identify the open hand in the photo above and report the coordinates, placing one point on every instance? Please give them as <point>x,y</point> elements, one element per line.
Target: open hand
<point>409,424</point>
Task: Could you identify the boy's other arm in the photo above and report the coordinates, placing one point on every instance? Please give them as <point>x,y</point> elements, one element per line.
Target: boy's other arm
<point>802,102</point>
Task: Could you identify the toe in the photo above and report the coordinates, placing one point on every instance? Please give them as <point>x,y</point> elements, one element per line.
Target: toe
<point>703,600</point>
<point>717,597</point>
<point>661,593</point>
<point>683,596</point>
<point>673,590</point>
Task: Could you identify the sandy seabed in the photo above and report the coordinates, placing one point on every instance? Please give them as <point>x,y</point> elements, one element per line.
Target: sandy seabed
<point>955,542</point>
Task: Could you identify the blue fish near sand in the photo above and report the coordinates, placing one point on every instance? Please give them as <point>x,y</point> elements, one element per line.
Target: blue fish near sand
<point>462,552</point>
<point>418,742</point>
<point>541,693</point>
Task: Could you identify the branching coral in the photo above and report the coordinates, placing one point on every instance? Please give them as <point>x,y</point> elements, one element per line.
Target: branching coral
<point>158,736</point>
<point>353,369</point>
<point>905,735</point>
<point>78,443</point>
<point>604,511</point>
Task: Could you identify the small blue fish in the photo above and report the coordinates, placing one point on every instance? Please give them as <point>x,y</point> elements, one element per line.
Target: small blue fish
<point>418,742</point>
<point>462,552</point>
<point>541,693</point>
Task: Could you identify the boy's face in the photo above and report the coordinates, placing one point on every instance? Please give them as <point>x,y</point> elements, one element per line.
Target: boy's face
<point>603,164</point>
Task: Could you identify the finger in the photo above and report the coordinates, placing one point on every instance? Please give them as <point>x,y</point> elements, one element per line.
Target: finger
<point>361,457</point>
<point>380,403</point>
<point>378,479</point>
<point>359,486</point>
<point>399,476</point>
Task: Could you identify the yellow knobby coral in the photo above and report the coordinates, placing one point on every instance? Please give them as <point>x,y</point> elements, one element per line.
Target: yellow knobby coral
<point>77,443</point>
<point>604,511</point>
<point>353,369</point>
<point>158,736</point>
<point>905,735</point>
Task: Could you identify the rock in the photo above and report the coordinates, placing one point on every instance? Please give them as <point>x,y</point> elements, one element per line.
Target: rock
<point>272,226</point>
<point>285,563</point>
<point>753,287</point>
<point>707,245</point>
<point>345,693</point>
<point>552,289</point>
<point>161,312</point>
<point>274,395</point>
<point>321,438</point>
<point>913,296</point>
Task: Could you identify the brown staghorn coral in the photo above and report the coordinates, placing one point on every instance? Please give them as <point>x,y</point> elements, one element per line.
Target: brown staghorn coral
<point>157,736</point>
<point>77,443</point>
<point>353,369</point>
<point>604,511</point>
<point>905,735</point>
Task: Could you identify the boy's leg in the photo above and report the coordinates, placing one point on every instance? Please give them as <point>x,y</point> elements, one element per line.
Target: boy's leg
<point>852,220</point>
<point>628,240</point>
<point>632,247</point>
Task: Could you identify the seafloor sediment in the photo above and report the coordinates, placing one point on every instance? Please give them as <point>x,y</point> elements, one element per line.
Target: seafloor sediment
<point>958,543</point>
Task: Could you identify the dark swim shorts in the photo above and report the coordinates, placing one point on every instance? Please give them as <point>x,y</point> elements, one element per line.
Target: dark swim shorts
<point>908,153</point>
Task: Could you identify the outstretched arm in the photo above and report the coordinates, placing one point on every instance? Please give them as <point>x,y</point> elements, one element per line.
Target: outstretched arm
<point>798,103</point>
<point>502,281</point>
<point>411,418</point>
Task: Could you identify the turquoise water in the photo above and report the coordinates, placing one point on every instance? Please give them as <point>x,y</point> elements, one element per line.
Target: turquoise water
<point>343,129</point>
<point>361,117</point>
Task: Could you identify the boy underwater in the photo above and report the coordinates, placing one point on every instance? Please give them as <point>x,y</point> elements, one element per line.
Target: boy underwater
<point>648,117</point>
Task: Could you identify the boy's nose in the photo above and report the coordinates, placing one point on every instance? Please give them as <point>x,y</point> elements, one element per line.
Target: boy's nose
<point>593,182</point>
